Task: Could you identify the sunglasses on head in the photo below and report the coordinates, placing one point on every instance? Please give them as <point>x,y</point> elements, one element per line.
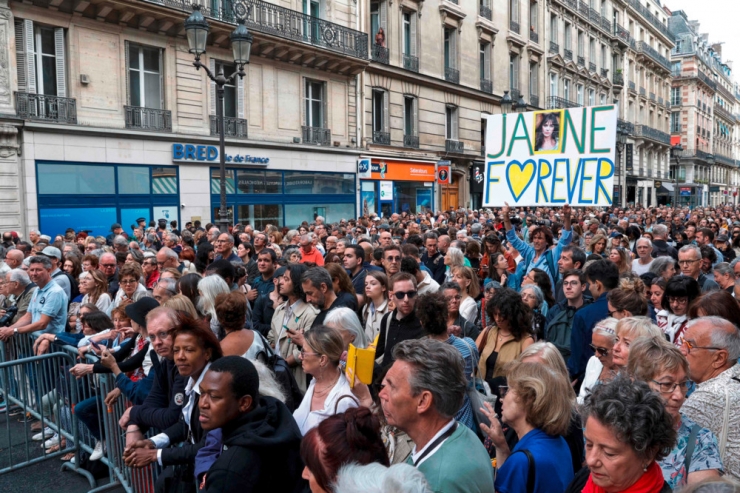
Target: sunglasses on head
<point>402,294</point>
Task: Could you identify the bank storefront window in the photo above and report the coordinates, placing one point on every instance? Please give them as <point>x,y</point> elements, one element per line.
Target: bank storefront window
<point>285,198</point>
<point>93,196</point>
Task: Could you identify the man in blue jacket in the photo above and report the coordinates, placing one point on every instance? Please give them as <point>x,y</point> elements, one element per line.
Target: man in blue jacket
<point>602,277</point>
<point>538,254</point>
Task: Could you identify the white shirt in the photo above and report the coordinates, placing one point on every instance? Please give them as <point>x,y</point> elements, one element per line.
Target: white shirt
<point>162,440</point>
<point>307,419</point>
<point>415,454</point>
<point>639,268</point>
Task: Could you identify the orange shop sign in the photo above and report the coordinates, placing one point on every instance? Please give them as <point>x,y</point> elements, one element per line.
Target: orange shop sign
<point>402,171</point>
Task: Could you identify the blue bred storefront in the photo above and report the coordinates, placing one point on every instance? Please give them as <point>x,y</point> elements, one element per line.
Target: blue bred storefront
<point>92,196</point>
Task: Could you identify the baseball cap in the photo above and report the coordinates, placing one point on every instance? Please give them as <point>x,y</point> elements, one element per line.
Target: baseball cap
<point>51,251</point>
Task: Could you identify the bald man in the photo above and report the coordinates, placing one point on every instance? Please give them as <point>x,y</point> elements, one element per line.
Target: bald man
<point>14,258</point>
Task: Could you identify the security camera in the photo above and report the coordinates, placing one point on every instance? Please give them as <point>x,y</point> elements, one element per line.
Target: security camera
<point>182,206</point>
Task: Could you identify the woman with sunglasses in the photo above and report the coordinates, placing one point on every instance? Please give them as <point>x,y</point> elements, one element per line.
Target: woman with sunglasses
<point>130,287</point>
<point>329,392</point>
<point>665,369</point>
<point>679,295</point>
<point>600,366</point>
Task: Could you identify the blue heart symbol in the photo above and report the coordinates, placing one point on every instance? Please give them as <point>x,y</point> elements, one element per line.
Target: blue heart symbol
<point>521,179</point>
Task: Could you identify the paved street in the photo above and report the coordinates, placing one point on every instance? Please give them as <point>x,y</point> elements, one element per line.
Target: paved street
<point>42,477</point>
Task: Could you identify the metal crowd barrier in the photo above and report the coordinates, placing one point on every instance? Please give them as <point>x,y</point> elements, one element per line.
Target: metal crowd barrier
<point>43,388</point>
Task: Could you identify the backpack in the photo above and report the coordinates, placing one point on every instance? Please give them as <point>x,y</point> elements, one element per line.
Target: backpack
<point>283,373</point>
<point>558,329</point>
<point>74,289</point>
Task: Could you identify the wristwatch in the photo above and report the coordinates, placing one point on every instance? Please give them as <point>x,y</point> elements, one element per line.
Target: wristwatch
<point>15,330</point>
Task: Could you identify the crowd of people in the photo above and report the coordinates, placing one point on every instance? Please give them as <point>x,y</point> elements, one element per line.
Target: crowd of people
<point>544,350</point>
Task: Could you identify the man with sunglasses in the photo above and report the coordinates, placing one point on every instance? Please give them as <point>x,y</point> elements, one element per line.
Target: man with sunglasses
<point>712,347</point>
<point>391,260</point>
<point>401,324</point>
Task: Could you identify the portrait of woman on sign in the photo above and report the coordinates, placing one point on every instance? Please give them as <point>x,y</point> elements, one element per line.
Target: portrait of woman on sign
<point>547,132</point>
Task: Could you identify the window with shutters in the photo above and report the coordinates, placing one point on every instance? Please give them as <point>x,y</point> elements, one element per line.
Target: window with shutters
<point>233,90</point>
<point>145,77</point>
<point>451,122</point>
<point>40,59</point>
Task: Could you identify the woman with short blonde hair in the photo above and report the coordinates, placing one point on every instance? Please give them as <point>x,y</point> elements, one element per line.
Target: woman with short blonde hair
<point>627,330</point>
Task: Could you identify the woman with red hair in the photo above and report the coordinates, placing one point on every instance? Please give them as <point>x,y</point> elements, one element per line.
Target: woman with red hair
<point>352,437</point>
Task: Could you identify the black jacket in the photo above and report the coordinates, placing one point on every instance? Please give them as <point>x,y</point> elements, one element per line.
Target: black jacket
<point>163,406</point>
<point>261,453</point>
<point>190,434</point>
<point>436,264</point>
<point>407,328</point>
<point>663,249</point>
<point>262,313</point>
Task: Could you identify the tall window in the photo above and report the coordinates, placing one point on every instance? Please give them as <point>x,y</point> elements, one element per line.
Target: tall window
<point>579,94</point>
<point>568,34</point>
<point>374,20</point>
<point>514,71</point>
<point>675,126</point>
<point>566,89</point>
<point>603,57</point>
<point>451,122</point>
<point>591,97</point>
<point>450,48</point>
<point>553,84</point>
<point>514,11</point>
<point>409,115</point>
<point>231,104</point>
<point>314,103</point>
<point>580,43</point>
<point>675,96</point>
<point>145,76</point>
<point>406,33</point>
<point>554,29</point>
<point>378,22</point>
<point>380,110</point>
<point>534,77</point>
<point>484,56</point>
<point>592,51</point>
<point>533,11</point>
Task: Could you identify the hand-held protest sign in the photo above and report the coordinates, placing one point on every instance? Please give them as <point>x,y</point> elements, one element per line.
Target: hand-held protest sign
<point>551,157</point>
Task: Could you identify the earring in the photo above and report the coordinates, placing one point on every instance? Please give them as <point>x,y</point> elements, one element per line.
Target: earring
<point>644,468</point>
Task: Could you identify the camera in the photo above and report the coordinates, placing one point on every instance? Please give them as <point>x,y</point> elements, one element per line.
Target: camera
<point>8,317</point>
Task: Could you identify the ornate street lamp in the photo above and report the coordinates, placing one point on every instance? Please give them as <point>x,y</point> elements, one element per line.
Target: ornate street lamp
<point>196,29</point>
<point>676,151</point>
<point>521,105</point>
<point>506,103</point>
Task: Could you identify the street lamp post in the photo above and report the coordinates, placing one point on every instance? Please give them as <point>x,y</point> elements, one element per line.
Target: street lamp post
<point>621,141</point>
<point>676,154</point>
<point>196,29</point>
<point>521,105</point>
<point>506,103</point>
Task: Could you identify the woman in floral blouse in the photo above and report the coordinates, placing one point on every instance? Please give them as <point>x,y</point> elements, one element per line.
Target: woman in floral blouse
<point>662,366</point>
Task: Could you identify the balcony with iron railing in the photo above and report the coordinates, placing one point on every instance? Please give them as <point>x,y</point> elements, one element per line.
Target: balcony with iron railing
<point>383,138</point>
<point>625,126</point>
<point>486,86</point>
<point>380,54</point>
<point>652,96</point>
<point>556,102</point>
<point>618,79</point>
<point>514,26</point>
<point>651,18</point>
<point>485,12</point>
<point>41,107</point>
<point>149,119</point>
<point>233,127</point>
<point>646,49</point>
<point>452,75</point>
<point>554,48</point>
<point>653,134</point>
<point>454,146</point>
<point>592,67</point>
<point>411,141</point>
<point>606,25</point>
<point>534,37</point>
<point>660,100</point>
<point>268,18</point>
<point>583,8</point>
<point>411,63</point>
<point>719,158</point>
<point>643,92</point>
<point>568,55</point>
<point>632,86</point>
<point>316,135</point>
<point>605,72</point>
<point>723,113</point>
<point>621,34</point>
<point>581,61</point>
<point>534,100</point>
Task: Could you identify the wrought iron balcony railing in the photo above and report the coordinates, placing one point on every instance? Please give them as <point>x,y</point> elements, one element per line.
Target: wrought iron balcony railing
<point>592,67</point>
<point>643,47</point>
<point>605,72</point>
<point>621,33</point>
<point>383,138</point>
<point>380,54</point>
<point>651,18</point>
<point>411,63</point>
<point>533,36</point>
<point>316,135</point>
<point>652,134</point>
<point>583,8</point>
<point>652,96</point>
<point>625,126</point>
<point>618,79</point>
<point>454,146</point>
<point>268,18</point>
<point>643,92</point>
<point>632,86</point>
<point>234,127</point>
<point>452,75</point>
<point>486,13</point>
<point>150,119</point>
<point>514,26</point>
<point>555,102</point>
<point>45,108</point>
<point>534,100</point>
<point>581,61</point>
<point>568,54</point>
<point>486,86</point>
<point>554,47</point>
<point>411,141</point>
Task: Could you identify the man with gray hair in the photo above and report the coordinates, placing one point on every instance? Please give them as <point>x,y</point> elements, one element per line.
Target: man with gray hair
<point>661,248</point>
<point>120,244</point>
<point>47,310</point>
<point>224,247</point>
<point>19,289</point>
<point>712,347</point>
<point>170,241</point>
<point>724,275</point>
<point>420,395</point>
<point>689,260</point>
<point>644,259</point>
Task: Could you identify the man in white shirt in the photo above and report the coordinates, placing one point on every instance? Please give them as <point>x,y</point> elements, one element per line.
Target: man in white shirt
<point>644,259</point>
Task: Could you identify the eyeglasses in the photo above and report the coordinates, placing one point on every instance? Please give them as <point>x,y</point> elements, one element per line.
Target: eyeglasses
<point>611,313</point>
<point>601,351</point>
<point>393,259</point>
<point>128,281</point>
<point>402,294</point>
<point>678,300</point>
<point>692,345</point>
<point>688,262</point>
<point>160,335</point>
<point>502,391</point>
<point>304,353</point>
<point>670,387</point>
<point>108,266</point>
